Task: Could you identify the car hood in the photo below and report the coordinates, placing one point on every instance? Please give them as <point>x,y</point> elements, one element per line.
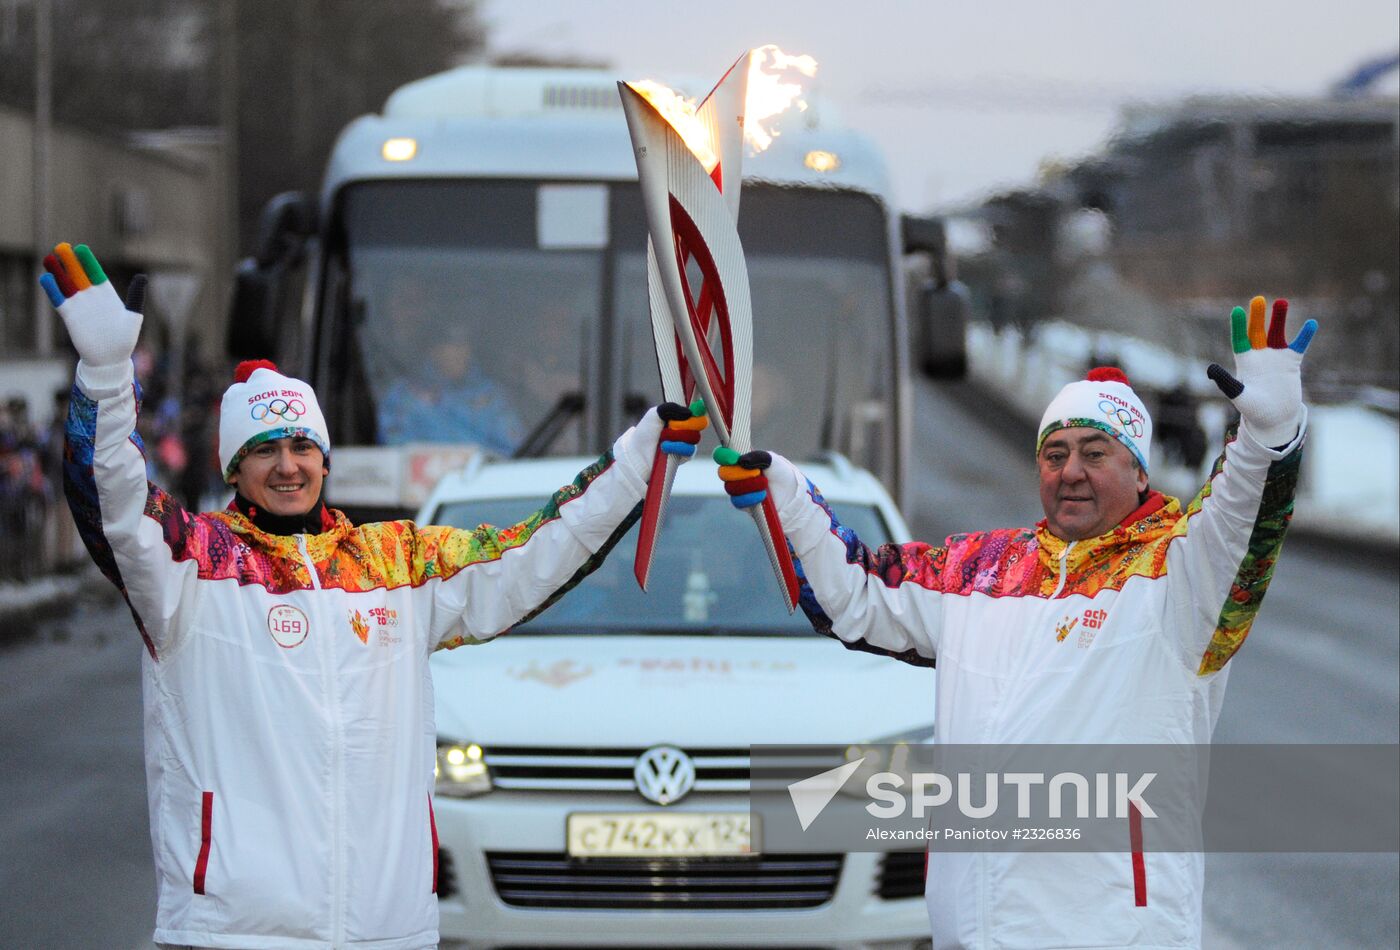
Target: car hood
<point>694,692</point>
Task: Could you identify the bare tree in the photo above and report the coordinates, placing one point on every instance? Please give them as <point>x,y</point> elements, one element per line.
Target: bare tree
<point>305,68</point>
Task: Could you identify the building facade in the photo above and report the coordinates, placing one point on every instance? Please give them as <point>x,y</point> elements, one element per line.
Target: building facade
<point>152,204</point>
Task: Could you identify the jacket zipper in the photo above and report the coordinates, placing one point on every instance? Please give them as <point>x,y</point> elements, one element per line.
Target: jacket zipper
<point>983,912</point>
<point>331,696</point>
<point>1064,556</point>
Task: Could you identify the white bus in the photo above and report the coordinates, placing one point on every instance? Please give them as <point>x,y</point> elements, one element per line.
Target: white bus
<point>472,277</point>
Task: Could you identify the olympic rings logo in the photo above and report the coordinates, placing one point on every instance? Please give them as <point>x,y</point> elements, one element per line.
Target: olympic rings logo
<point>278,410</point>
<point>1122,418</point>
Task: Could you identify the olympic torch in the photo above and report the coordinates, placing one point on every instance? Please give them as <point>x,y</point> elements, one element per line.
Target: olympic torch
<point>690,211</point>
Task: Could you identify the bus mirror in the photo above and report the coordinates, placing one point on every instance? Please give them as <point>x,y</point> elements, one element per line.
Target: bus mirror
<point>923,235</point>
<point>260,283</point>
<point>252,317</point>
<point>941,315</point>
<point>286,222</point>
<point>947,305</point>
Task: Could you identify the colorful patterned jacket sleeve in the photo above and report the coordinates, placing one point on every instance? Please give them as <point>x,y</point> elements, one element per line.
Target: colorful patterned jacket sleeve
<point>104,474</point>
<point>1222,552</point>
<point>495,578</point>
<point>884,601</point>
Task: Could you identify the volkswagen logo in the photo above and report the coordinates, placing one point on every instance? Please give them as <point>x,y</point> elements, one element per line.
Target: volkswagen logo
<point>664,774</point>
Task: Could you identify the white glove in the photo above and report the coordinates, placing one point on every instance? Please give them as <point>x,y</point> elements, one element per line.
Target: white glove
<point>1269,389</point>
<point>102,328</point>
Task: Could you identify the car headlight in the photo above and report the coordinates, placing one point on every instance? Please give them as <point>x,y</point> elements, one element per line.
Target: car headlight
<point>460,770</point>
<point>887,754</point>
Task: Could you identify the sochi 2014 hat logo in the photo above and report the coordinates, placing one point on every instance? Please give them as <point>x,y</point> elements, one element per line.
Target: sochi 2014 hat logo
<point>1121,414</point>
<point>278,410</point>
<point>288,625</point>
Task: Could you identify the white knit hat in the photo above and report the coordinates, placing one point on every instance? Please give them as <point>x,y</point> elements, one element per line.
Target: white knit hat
<point>1103,399</point>
<point>263,405</point>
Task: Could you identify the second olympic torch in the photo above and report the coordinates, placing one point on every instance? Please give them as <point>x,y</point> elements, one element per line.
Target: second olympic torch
<point>709,340</point>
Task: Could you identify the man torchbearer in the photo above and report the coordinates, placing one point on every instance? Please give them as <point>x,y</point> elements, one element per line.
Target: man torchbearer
<point>1111,622</point>
<point>290,742</point>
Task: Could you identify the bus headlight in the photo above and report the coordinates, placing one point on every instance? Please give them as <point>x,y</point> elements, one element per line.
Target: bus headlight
<point>460,770</point>
<point>821,161</point>
<point>399,149</point>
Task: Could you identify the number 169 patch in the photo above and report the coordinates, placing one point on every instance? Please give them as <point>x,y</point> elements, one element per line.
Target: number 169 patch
<point>288,625</point>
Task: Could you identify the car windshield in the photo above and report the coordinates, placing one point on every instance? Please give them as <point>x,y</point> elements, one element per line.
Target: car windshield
<point>710,573</point>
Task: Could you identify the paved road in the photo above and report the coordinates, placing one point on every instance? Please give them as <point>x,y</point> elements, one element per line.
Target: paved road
<point>1323,665</point>
<point>76,866</point>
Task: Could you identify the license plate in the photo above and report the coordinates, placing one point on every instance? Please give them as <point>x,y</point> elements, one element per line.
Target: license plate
<point>658,834</point>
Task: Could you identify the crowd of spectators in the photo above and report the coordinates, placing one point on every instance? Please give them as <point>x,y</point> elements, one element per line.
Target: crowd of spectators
<point>178,428</point>
<point>28,480</point>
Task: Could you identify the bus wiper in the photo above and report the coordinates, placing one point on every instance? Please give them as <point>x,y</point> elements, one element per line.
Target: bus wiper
<point>542,436</point>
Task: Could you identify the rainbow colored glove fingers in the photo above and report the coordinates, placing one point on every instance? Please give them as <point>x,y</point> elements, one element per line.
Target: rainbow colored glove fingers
<point>683,427</point>
<point>1247,330</point>
<point>744,475</point>
<point>103,329</point>
<point>1266,386</point>
<point>70,271</point>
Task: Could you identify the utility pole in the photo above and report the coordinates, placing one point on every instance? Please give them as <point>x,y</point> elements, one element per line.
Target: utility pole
<point>42,142</point>
<point>229,217</point>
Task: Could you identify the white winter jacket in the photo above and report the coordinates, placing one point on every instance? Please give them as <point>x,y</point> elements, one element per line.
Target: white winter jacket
<point>290,741</point>
<point>1119,639</point>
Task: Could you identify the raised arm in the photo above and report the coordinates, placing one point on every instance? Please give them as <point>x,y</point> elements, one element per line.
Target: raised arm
<point>132,528</point>
<point>884,601</point>
<point>1226,546</point>
<point>495,578</point>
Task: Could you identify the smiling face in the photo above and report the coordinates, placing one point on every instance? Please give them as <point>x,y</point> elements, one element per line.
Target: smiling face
<point>282,476</point>
<point>1089,482</point>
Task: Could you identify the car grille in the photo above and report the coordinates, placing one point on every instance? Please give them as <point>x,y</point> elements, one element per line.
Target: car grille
<point>757,882</point>
<point>446,883</point>
<point>901,875</point>
<point>606,770</point>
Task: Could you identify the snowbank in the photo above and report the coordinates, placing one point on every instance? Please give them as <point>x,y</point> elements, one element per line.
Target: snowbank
<point>1351,469</point>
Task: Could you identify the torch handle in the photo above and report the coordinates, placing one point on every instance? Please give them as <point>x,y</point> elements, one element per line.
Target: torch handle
<point>765,516</point>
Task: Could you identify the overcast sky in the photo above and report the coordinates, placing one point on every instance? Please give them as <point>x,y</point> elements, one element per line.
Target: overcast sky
<point>966,97</point>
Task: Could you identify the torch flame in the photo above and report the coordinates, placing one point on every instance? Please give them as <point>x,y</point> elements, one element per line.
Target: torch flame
<point>773,89</point>
<point>774,86</point>
<point>679,112</point>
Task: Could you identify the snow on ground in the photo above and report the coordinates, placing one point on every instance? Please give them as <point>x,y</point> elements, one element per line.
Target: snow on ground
<point>1351,469</point>
<point>20,599</point>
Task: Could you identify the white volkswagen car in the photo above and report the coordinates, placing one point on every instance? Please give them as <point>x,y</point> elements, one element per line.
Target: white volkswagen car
<point>593,764</point>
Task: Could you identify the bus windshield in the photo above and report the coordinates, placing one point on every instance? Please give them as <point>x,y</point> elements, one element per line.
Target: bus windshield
<point>449,316</point>
<point>472,330</point>
<point>822,320</point>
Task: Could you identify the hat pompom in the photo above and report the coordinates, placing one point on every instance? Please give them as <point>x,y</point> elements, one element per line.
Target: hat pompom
<point>247,367</point>
<point>1107,374</point>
